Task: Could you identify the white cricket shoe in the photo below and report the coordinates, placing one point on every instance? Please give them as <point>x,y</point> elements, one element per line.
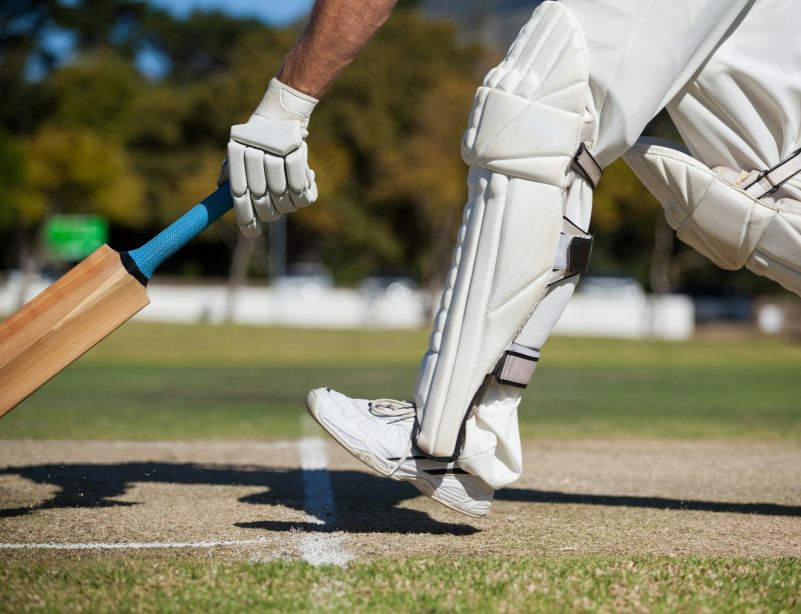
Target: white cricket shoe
<point>379,433</point>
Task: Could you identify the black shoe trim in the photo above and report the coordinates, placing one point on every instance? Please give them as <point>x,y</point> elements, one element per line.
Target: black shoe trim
<point>454,471</point>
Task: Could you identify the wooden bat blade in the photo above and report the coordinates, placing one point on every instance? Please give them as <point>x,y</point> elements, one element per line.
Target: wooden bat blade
<point>63,322</point>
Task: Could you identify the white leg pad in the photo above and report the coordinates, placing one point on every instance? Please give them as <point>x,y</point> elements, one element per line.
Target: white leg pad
<point>528,120</point>
<point>720,219</point>
<point>491,446</point>
<point>500,273</point>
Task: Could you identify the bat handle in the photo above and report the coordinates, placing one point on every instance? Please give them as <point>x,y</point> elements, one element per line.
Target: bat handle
<point>153,253</point>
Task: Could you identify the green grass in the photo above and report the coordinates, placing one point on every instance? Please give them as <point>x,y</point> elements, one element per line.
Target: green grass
<point>566,584</point>
<point>188,382</point>
<point>183,382</point>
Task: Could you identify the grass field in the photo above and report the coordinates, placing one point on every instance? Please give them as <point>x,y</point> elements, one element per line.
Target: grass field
<point>660,476</point>
<point>467,584</point>
<point>182,382</point>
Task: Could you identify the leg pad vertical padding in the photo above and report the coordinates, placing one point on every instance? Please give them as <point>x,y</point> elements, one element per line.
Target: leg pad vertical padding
<point>719,219</point>
<point>527,124</point>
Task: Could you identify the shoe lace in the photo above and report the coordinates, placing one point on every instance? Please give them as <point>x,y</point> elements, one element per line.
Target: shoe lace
<point>402,458</point>
<point>392,408</point>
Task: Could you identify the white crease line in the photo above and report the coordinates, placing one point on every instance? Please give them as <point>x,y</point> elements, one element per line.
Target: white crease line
<point>319,548</point>
<point>133,545</point>
<point>154,445</point>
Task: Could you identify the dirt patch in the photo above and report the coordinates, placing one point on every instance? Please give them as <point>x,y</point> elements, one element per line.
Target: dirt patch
<point>245,500</point>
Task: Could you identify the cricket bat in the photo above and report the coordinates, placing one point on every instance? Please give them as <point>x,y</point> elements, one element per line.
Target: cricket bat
<point>83,307</point>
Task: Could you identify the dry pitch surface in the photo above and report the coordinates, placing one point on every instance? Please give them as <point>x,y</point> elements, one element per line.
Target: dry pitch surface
<point>309,500</point>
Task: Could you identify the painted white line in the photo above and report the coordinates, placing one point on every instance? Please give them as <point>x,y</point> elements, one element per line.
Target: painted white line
<point>319,548</point>
<point>133,545</point>
<point>154,445</point>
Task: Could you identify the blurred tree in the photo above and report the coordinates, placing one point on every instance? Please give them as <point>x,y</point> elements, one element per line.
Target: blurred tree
<point>78,171</point>
<point>87,128</point>
<point>623,219</point>
<point>76,159</point>
<point>199,46</point>
<point>98,93</point>
<point>99,24</point>
<point>72,171</point>
<point>22,24</point>
<point>427,170</point>
<point>395,119</point>
<point>12,179</point>
<point>632,235</point>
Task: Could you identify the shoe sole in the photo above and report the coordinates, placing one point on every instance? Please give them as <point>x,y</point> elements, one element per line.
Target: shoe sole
<point>369,459</point>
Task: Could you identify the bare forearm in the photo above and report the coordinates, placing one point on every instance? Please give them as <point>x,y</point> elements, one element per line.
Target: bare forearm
<point>337,31</point>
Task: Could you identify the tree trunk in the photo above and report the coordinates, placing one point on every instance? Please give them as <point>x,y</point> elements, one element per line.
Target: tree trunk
<point>31,261</point>
<point>661,257</point>
<point>237,273</point>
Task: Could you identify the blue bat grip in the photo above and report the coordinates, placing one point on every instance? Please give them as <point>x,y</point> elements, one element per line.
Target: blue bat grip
<point>153,253</point>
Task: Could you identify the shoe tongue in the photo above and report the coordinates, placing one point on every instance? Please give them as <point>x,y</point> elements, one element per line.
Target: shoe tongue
<point>391,407</point>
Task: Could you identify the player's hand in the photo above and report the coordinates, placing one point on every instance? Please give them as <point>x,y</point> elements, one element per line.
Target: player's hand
<point>267,159</point>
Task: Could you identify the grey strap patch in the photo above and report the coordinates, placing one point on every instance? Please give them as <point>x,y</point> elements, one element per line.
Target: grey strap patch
<point>516,367</point>
<point>587,166</point>
<point>772,179</point>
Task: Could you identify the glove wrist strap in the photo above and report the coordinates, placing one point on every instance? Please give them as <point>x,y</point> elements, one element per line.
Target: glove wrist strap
<point>283,102</point>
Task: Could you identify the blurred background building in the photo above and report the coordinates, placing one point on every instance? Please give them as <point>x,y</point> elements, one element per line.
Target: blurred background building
<point>114,116</point>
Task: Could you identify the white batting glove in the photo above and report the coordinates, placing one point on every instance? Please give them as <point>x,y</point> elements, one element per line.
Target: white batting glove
<point>267,159</point>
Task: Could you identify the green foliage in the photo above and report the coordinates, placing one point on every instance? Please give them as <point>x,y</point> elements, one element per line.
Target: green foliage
<point>401,123</point>
<point>78,171</point>
<point>623,220</point>
<point>97,93</point>
<point>200,47</point>
<point>12,178</point>
<point>392,184</point>
<point>384,142</point>
<point>102,23</point>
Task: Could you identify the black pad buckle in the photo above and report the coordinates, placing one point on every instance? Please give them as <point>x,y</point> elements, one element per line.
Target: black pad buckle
<point>579,251</point>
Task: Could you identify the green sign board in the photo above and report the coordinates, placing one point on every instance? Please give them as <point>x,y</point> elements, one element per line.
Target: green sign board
<point>69,238</point>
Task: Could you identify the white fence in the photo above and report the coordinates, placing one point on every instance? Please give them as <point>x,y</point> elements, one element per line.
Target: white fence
<point>613,314</point>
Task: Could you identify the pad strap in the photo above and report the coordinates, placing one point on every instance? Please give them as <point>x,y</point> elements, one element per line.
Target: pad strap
<point>587,166</point>
<point>770,180</point>
<point>573,255</point>
<point>517,365</point>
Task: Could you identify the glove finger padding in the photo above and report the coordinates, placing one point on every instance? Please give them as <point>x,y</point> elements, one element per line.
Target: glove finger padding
<point>719,219</point>
<point>309,195</point>
<point>284,203</point>
<point>254,171</point>
<point>236,169</point>
<point>296,175</point>
<point>237,175</point>
<point>243,210</point>
<point>265,210</point>
<point>268,156</point>
<point>276,174</point>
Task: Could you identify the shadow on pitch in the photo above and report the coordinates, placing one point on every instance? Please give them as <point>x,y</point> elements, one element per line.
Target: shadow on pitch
<point>656,503</point>
<point>365,503</point>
